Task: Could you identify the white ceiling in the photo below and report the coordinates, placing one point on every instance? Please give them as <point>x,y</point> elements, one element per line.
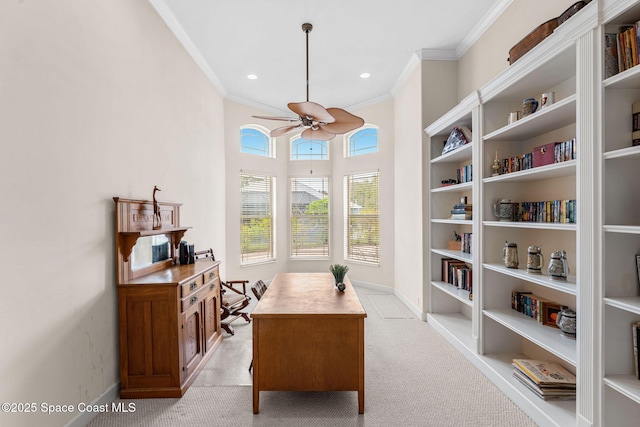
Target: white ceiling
<point>233,38</point>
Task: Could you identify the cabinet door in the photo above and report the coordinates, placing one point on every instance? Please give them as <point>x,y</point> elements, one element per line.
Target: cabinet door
<point>192,348</point>
<point>211,311</point>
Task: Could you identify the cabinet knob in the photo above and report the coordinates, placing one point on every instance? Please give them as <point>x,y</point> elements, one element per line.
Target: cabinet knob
<point>212,286</point>
<point>193,285</point>
<point>193,300</point>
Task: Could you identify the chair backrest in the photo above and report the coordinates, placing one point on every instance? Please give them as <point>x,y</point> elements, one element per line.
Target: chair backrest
<point>258,289</point>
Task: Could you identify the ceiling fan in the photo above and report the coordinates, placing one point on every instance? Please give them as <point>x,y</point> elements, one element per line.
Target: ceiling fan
<point>319,123</point>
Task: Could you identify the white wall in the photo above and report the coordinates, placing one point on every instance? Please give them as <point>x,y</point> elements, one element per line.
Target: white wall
<point>99,99</point>
<point>237,115</point>
<point>489,55</point>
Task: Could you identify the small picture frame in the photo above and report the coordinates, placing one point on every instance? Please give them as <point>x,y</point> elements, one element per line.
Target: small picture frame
<point>550,314</point>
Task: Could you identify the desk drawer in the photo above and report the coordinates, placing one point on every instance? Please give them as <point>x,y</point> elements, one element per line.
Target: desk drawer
<point>192,285</point>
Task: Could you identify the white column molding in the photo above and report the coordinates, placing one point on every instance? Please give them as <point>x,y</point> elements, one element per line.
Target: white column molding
<point>589,239</point>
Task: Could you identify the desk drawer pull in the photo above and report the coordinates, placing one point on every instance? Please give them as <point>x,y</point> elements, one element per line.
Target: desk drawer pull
<point>193,300</point>
<point>212,275</point>
<point>212,286</point>
<point>193,285</point>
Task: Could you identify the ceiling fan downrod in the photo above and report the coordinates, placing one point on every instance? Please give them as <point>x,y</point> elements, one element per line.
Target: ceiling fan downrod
<point>306,27</point>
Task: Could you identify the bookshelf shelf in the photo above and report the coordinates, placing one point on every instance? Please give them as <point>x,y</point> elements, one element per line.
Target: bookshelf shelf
<point>459,294</point>
<point>552,412</point>
<point>630,304</point>
<point>627,385</point>
<point>555,170</point>
<point>462,256</point>
<point>568,286</point>
<point>546,337</point>
<point>531,225</point>
<point>460,154</point>
<point>453,188</point>
<point>455,327</point>
<point>560,114</point>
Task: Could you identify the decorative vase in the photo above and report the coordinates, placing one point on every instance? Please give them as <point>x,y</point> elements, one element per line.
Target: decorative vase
<point>340,286</point>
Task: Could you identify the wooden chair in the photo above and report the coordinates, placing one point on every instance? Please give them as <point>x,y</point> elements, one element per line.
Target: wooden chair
<point>258,289</point>
<point>234,300</point>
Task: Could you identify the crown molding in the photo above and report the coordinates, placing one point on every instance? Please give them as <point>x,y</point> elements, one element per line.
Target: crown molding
<point>437,55</point>
<point>483,25</point>
<point>171,21</point>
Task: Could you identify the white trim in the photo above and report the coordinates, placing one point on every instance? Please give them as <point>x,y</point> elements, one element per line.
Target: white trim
<point>437,55</point>
<point>182,36</point>
<point>483,25</point>
<point>84,418</point>
<point>414,61</point>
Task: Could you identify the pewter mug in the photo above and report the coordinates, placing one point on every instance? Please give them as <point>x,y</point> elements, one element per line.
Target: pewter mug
<point>503,209</point>
<point>558,265</point>
<point>566,321</point>
<point>510,255</point>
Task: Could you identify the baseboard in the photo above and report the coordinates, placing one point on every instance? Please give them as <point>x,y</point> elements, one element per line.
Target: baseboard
<point>83,418</point>
<point>372,286</point>
<point>415,310</point>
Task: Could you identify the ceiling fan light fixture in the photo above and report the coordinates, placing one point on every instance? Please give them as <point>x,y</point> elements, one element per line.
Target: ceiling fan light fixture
<point>319,123</point>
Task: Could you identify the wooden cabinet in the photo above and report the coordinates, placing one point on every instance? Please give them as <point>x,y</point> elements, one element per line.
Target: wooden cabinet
<point>168,317</point>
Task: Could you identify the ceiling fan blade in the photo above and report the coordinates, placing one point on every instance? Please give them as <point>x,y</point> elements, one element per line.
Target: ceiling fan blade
<point>345,121</point>
<point>284,119</point>
<point>317,135</point>
<point>310,109</point>
<point>284,130</point>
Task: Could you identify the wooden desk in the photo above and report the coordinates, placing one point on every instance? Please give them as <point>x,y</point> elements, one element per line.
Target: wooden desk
<point>307,336</point>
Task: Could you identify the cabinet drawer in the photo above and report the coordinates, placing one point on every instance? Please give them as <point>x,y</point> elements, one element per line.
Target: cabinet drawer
<point>191,286</point>
<point>194,298</point>
<point>211,275</point>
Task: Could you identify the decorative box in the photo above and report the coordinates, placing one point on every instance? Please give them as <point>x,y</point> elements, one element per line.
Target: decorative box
<point>544,154</point>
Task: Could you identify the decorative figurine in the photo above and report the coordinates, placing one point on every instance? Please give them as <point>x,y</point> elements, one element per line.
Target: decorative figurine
<point>157,218</point>
<point>496,166</point>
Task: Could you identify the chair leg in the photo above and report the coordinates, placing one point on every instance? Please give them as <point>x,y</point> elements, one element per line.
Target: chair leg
<point>228,328</point>
<point>251,365</point>
<point>245,316</point>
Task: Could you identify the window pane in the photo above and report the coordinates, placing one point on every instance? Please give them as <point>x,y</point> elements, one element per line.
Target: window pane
<point>303,149</point>
<point>363,142</point>
<point>309,217</point>
<point>256,219</point>
<point>253,141</point>
<point>362,234</point>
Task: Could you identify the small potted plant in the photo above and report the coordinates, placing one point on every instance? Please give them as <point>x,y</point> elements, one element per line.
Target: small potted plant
<point>339,272</point>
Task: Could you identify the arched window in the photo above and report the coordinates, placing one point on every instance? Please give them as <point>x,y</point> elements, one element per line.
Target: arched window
<point>256,140</point>
<point>304,149</point>
<point>362,141</point>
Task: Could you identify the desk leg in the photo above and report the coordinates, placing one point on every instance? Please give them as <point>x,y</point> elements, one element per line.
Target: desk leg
<point>256,368</point>
<point>361,367</point>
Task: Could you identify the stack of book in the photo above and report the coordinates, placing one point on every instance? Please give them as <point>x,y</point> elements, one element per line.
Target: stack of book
<point>461,211</point>
<point>547,380</point>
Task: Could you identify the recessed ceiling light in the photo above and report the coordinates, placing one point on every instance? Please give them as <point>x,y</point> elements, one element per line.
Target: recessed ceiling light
<point>252,76</point>
<point>365,75</point>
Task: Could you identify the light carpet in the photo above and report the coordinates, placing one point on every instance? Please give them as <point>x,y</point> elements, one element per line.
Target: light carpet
<point>413,377</point>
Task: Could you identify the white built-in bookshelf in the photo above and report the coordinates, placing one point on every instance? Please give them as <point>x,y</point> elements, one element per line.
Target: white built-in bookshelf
<point>601,244</point>
<point>620,232</point>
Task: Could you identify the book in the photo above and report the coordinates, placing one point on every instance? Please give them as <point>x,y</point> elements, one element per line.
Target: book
<point>545,373</point>
<point>545,393</point>
<point>466,216</point>
<point>610,55</point>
